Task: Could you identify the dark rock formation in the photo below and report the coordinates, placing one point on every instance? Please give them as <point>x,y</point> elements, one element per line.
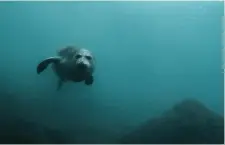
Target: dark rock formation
<point>14,130</point>
<point>22,132</point>
<point>188,122</point>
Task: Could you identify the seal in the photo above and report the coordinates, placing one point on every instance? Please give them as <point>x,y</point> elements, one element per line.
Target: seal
<point>71,64</point>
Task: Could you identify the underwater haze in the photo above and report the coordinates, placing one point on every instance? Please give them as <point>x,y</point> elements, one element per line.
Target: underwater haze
<point>150,55</point>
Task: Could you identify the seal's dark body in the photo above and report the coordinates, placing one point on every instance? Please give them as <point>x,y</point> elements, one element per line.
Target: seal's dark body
<point>65,67</point>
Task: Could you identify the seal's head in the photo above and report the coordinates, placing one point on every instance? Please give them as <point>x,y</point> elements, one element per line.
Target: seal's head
<point>85,61</point>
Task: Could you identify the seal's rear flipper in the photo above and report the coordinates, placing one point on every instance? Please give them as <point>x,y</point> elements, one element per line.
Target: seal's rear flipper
<point>89,80</point>
<point>44,64</point>
<point>60,83</point>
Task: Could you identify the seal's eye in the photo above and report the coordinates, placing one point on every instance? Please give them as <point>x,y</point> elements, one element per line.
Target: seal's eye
<point>88,57</point>
<point>78,56</point>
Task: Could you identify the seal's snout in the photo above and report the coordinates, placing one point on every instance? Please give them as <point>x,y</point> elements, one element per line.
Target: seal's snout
<point>82,66</point>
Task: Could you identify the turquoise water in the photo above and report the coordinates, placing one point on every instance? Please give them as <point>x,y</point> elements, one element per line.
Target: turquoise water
<point>150,55</point>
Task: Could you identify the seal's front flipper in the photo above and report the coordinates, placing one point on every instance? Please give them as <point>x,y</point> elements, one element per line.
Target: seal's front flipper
<point>44,64</point>
<point>89,80</point>
<point>60,83</point>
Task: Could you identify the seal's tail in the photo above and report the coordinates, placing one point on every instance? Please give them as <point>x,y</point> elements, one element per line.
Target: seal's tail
<point>59,84</point>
